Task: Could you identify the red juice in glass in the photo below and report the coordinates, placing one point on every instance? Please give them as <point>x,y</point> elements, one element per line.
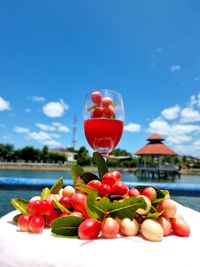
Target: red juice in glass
<point>103,134</point>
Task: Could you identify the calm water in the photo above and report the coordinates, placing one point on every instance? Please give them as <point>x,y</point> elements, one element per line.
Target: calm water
<point>5,207</point>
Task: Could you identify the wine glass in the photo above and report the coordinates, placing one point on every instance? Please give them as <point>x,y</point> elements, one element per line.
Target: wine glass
<point>103,120</point>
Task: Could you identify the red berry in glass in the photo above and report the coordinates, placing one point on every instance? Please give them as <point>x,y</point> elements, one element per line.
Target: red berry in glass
<point>96,97</point>
<point>103,120</point>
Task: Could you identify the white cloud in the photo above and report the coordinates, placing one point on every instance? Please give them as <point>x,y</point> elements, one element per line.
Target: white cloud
<point>174,68</point>
<point>132,127</point>
<point>190,115</point>
<point>28,110</point>
<point>45,127</point>
<point>195,101</point>
<point>4,105</point>
<point>21,130</point>
<point>38,99</point>
<point>55,109</point>
<point>171,113</point>
<point>44,138</point>
<point>55,126</point>
<point>180,127</point>
<point>179,139</point>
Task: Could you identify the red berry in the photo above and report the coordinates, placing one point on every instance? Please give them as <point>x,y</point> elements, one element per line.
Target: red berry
<point>23,223</point>
<point>54,215</point>
<point>117,175</point>
<point>89,229</point>
<point>104,190</point>
<point>66,202</point>
<point>96,97</point>
<point>119,188</point>
<point>95,184</point>
<point>47,207</point>
<point>78,201</point>
<point>36,224</point>
<point>34,207</point>
<point>108,112</point>
<point>109,178</point>
<point>97,113</point>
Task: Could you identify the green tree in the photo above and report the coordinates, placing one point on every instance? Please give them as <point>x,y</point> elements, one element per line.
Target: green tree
<point>6,152</point>
<point>29,153</point>
<point>44,155</point>
<point>83,157</point>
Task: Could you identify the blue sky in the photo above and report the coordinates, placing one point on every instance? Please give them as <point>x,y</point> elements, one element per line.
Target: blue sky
<point>54,52</point>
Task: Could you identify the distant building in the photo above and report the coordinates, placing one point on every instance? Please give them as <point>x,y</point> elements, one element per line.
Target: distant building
<point>157,152</point>
<point>70,155</point>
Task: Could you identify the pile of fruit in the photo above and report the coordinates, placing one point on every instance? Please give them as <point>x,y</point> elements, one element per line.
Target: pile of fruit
<point>103,107</point>
<point>101,206</point>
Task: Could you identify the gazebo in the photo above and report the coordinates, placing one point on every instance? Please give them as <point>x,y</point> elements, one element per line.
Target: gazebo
<point>156,159</point>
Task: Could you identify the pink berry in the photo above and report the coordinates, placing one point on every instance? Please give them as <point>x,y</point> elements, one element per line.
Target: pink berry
<point>110,228</point>
<point>145,211</point>
<point>180,227</point>
<point>68,191</point>
<point>128,227</point>
<point>106,101</point>
<point>108,112</point>
<point>152,230</point>
<point>89,229</point>
<point>166,225</point>
<point>134,192</point>
<point>150,192</point>
<point>23,223</point>
<point>78,201</point>
<point>169,207</point>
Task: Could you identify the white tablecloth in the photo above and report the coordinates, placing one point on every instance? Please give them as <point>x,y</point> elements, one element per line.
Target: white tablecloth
<point>33,250</point>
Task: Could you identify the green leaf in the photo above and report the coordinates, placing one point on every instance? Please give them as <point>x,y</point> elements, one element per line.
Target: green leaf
<point>100,163</point>
<point>45,193</point>
<point>57,186</point>
<point>88,176</point>
<point>85,188</point>
<point>16,217</point>
<point>154,215</point>
<point>97,207</point>
<point>60,206</point>
<point>76,171</point>
<point>20,204</point>
<point>127,207</point>
<point>66,226</point>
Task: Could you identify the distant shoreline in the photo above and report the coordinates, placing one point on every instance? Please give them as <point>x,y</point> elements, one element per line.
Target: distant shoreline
<point>57,167</point>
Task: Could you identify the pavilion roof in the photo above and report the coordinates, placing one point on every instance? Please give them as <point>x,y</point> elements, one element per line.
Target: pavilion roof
<point>155,147</point>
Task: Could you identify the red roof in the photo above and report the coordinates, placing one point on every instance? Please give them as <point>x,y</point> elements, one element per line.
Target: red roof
<point>155,137</point>
<point>155,147</point>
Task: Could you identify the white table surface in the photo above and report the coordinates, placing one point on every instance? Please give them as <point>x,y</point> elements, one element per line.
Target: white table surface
<point>33,250</point>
